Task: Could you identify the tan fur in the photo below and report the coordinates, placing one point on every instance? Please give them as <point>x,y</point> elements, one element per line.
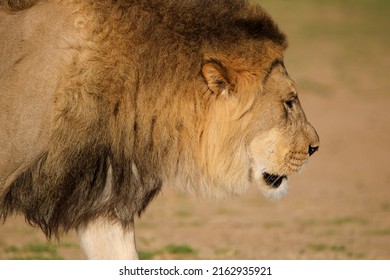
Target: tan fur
<point>163,92</point>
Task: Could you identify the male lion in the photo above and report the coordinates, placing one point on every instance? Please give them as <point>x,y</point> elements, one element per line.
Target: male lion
<point>104,102</point>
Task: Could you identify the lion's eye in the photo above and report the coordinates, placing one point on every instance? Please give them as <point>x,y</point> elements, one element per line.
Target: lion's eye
<point>288,104</point>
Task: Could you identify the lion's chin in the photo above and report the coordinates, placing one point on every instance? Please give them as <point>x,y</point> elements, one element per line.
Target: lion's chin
<point>275,185</point>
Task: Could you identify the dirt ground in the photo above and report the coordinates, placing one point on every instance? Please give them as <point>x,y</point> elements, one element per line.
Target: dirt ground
<point>337,208</point>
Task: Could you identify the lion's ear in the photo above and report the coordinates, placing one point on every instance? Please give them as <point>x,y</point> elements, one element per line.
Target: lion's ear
<point>216,77</point>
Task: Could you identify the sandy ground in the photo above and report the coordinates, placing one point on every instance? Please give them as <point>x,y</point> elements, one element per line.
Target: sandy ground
<point>337,208</point>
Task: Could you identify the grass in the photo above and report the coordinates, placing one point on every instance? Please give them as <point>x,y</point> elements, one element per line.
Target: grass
<point>347,220</point>
<point>179,249</point>
<point>226,252</point>
<point>339,249</point>
<point>12,249</point>
<point>35,251</point>
<point>309,223</point>
<point>183,213</point>
<point>273,224</point>
<point>41,248</point>
<point>176,250</point>
<point>319,247</point>
<point>191,223</point>
<point>226,211</point>
<point>385,207</point>
<point>328,233</point>
<point>338,221</point>
<point>381,232</point>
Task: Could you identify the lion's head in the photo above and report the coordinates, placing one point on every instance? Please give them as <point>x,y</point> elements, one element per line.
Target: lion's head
<point>255,131</point>
<point>287,139</point>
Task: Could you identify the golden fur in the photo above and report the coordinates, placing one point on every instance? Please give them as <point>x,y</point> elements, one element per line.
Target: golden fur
<point>188,93</point>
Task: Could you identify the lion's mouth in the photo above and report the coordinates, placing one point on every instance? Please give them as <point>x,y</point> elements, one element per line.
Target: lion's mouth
<point>273,180</point>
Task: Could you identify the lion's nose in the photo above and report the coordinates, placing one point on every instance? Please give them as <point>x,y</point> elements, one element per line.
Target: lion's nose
<point>312,149</point>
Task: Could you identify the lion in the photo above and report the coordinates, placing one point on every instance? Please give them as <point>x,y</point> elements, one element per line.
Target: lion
<point>103,103</point>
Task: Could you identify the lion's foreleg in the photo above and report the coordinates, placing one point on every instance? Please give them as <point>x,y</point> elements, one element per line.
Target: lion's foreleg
<point>104,239</point>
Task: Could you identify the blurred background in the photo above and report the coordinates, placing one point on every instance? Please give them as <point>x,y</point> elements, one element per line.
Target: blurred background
<point>338,207</point>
